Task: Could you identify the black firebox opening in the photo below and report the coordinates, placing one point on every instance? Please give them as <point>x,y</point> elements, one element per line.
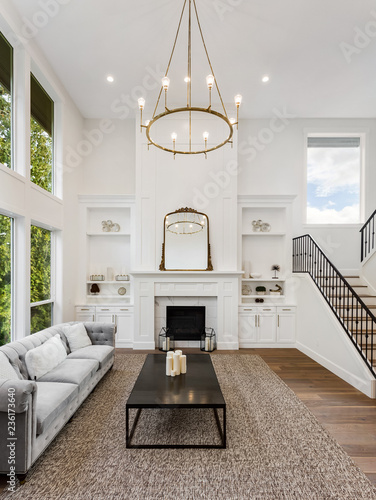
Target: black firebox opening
<point>186,322</point>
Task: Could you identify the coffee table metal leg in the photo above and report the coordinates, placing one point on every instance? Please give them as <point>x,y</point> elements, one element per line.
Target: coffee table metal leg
<point>222,432</point>
<point>129,436</point>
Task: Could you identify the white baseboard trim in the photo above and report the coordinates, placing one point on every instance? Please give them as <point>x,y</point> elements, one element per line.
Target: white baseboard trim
<point>123,344</point>
<point>250,345</point>
<point>228,346</point>
<point>143,345</point>
<point>368,387</point>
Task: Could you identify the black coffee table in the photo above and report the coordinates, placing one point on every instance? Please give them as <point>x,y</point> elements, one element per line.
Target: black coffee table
<point>198,388</point>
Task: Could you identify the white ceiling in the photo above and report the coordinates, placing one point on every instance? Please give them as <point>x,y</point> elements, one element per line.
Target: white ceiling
<point>296,42</point>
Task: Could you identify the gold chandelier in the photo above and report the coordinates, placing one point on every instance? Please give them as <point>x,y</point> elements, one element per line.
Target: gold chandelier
<point>181,147</point>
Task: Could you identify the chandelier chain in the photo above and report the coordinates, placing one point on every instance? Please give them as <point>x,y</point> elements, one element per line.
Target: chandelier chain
<point>207,55</point>
<point>172,53</point>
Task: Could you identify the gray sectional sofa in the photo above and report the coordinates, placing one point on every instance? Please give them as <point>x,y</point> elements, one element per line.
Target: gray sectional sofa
<point>40,408</point>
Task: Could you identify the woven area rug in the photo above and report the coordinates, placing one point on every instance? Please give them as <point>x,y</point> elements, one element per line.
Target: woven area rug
<point>276,447</point>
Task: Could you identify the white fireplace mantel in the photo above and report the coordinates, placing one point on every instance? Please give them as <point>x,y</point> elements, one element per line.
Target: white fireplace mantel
<point>224,285</point>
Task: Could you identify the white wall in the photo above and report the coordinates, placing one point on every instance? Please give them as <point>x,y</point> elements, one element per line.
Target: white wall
<point>109,161</point>
<point>272,161</point>
<point>369,271</point>
<point>320,336</point>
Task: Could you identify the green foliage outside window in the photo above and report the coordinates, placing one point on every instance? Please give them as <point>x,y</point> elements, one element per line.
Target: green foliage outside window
<point>41,156</point>
<point>5,279</point>
<point>5,126</point>
<point>40,277</point>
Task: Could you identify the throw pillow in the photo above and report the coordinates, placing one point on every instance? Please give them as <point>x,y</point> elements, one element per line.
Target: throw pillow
<point>77,336</point>
<point>6,369</point>
<point>45,357</point>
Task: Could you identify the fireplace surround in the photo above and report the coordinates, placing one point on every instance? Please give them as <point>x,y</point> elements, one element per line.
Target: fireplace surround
<point>186,288</point>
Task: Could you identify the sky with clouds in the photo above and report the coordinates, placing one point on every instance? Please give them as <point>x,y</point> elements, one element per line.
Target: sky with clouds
<point>333,185</point>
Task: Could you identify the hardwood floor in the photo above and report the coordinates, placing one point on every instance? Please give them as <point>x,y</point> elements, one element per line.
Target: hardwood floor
<point>347,414</point>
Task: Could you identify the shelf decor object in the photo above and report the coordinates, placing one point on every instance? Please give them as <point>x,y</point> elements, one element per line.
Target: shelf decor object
<point>165,340</point>
<point>122,277</point>
<point>276,268</point>
<point>96,277</point>
<point>185,145</point>
<point>275,291</point>
<point>260,290</point>
<point>208,341</point>
<point>94,289</point>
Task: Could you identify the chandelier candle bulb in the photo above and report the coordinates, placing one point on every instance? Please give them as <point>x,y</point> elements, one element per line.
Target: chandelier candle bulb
<point>183,364</point>
<point>176,367</point>
<point>168,366</point>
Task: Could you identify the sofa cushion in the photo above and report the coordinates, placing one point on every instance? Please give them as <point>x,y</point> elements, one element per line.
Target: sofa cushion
<point>52,399</point>
<point>101,353</point>
<point>72,371</point>
<point>44,358</point>
<point>77,336</point>
<point>6,369</point>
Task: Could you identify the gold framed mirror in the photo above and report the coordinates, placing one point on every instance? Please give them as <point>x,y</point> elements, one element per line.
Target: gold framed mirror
<point>186,244</point>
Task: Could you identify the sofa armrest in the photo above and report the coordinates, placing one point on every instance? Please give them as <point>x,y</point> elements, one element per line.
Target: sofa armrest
<point>18,429</point>
<point>17,393</point>
<point>101,333</point>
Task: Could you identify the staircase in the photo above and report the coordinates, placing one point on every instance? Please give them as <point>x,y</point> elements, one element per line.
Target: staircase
<point>353,304</point>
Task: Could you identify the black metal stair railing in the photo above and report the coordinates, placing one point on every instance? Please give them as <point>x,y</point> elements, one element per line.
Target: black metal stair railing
<point>356,318</point>
<point>367,237</point>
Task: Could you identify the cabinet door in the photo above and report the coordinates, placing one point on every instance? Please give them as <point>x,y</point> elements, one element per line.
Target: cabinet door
<point>124,322</point>
<point>247,328</point>
<point>105,315</point>
<point>266,325</point>
<point>85,313</point>
<point>286,325</point>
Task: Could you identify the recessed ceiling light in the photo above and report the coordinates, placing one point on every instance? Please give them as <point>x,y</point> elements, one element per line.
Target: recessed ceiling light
<point>110,78</point>
<point>265,79</point>
<point>187,79</point>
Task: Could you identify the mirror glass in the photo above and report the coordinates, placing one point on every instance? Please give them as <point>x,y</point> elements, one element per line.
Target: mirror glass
<point>186,241</point>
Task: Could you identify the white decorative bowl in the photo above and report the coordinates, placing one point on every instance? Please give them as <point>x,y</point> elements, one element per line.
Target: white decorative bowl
<point>256,275</point>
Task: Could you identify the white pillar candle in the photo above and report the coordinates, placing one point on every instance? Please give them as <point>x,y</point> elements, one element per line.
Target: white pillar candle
<point>168,343</point>
<point>176,363</point>
<point>207,343</point>
<point>178,351</point>
<point>170,354</point>
<point>183,364</point>
<point>173,373</point>
<point>164,345</point>
<point>168,365</point>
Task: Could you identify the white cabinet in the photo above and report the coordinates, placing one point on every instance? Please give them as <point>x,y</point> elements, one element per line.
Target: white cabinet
<point>267,324</point>
<point>85,313</point>
<point>286,318</point>
<point>124,322</point>
<point>263,326</point>
<point>122,317</point>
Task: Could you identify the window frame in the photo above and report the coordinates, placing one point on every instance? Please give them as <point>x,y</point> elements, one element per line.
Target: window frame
<point>12,270</point>
<point>363,134</point>
<point>35,75</point>
<point>12,106</point>
<point>52,299</point>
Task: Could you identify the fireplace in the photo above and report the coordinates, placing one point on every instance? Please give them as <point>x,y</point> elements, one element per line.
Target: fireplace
<point>185,322</point>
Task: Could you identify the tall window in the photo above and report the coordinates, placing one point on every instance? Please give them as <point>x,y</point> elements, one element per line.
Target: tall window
<point>5,279</point>
<point>6,66</point>
<point>40,279</point>
<point>333,180</point>
<point>41,137</point>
